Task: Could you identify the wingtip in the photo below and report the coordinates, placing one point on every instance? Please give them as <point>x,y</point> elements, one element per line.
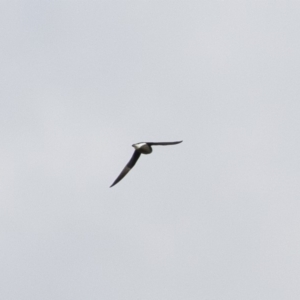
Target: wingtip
<point>112,184</point>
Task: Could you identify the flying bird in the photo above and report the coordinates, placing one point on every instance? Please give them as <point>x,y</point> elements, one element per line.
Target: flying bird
<point>140,148</point>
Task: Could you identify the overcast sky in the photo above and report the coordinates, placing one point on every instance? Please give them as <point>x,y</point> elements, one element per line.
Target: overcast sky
<point>216,217</point>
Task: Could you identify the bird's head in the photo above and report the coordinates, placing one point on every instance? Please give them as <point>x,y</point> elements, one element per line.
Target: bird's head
<point>138,145</point>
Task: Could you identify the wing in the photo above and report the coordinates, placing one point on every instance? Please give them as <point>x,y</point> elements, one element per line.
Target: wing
<point>164,143</point>
<point>128,167</point>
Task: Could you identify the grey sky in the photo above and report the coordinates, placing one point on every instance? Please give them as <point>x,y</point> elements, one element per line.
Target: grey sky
<point>216,217</point>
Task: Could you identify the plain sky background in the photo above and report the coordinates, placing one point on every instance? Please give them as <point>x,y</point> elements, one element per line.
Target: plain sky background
<point>216,217</point>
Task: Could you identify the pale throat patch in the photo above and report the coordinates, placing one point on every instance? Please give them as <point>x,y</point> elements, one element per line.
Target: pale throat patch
<point>140,145</point>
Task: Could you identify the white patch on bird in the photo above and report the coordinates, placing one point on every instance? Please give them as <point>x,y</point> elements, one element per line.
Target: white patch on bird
<point>139,145</point>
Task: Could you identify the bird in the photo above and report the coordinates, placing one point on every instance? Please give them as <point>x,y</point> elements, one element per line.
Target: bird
<point>140,148</point>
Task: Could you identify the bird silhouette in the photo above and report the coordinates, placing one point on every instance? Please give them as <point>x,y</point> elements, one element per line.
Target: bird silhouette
<point>140,148</point>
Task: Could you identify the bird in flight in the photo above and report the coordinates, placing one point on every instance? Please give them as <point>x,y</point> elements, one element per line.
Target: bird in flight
<point>140,148</point>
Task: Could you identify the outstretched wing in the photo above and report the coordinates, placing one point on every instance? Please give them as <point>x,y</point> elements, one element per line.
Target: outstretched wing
<point>128,167</point>
<point>164,143</point>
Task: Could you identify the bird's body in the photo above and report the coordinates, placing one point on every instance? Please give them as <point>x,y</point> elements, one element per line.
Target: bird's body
<point>140,148</point>
<point>144,148</point>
